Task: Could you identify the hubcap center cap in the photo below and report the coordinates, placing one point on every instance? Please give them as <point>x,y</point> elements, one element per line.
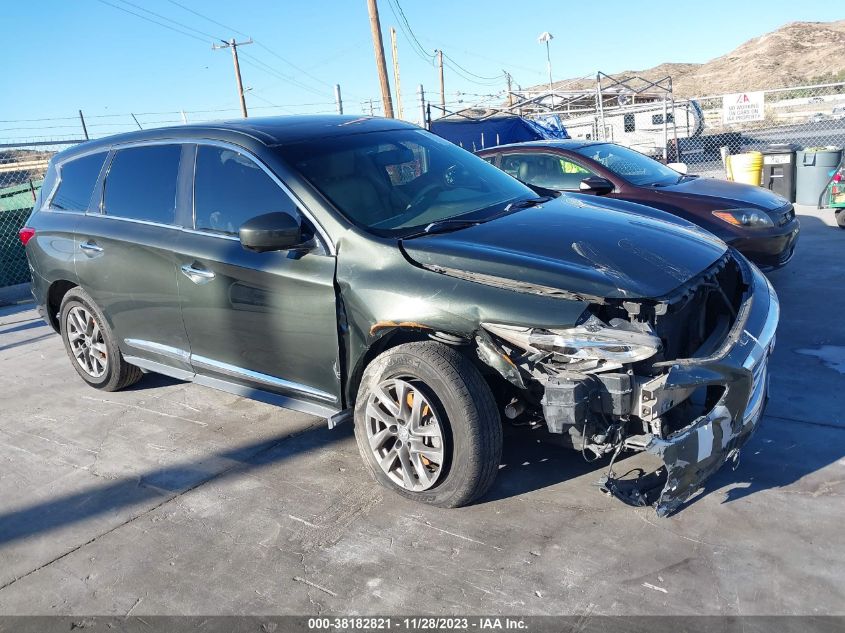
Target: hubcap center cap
<point>403,434</point>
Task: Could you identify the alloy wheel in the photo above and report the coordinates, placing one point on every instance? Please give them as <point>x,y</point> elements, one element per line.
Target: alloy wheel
<point>405,435</point>
<point>86,342</point>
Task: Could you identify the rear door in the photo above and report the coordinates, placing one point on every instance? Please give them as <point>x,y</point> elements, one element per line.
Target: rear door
<point>266,320</point>
<point>67,193</point>
<point>125,257</point>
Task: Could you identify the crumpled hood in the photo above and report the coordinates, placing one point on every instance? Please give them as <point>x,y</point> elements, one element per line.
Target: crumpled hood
<point>726,194</point>
<point>576,246</point>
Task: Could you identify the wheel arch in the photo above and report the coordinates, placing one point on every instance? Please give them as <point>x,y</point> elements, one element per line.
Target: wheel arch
<point>394,335</point>
<point>55,294</point>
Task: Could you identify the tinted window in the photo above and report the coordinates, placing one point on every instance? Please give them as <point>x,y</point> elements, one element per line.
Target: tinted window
<point>78,178</point>
<point>230,189</point>
<point>545,170</point>
<point>141,183</point>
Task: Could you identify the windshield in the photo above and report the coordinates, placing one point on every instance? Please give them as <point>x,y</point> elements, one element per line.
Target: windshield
<point>393,183</point>
<point>634,167</point>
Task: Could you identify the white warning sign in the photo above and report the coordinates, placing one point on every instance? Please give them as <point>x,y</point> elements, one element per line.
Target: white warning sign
<point>742,107</point>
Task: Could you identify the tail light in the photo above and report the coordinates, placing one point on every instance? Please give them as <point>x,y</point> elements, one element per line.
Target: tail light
<point>26,234</point>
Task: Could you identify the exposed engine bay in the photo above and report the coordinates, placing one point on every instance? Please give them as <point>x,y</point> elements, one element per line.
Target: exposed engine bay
<point>604,385</point>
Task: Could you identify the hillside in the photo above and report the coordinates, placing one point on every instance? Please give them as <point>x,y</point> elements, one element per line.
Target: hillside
<point>795,54</point>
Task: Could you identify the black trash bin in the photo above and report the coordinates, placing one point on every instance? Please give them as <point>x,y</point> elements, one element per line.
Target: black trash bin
<point>779,169</point>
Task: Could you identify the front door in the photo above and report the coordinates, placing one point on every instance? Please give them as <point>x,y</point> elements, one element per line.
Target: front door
<point>266,320</point>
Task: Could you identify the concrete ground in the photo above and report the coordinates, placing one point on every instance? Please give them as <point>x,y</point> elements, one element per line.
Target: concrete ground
<point>171,498</point>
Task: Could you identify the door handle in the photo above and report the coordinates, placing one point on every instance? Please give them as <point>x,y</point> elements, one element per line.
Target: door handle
<point>197,275</point>
<point>90,248</point>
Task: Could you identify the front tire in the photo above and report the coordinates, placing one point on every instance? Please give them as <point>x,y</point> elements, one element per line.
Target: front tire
<point>427,426</point>
<point>91,345</point>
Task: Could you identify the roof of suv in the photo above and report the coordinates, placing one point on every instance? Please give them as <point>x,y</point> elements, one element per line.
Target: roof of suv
<point>279,130</point>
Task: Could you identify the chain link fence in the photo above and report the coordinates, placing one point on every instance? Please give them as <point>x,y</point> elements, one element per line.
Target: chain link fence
<point>807,117</point>
<point>22,169</point>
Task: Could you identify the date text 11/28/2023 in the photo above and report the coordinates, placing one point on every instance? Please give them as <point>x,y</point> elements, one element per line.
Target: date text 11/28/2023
<point>423,623</point>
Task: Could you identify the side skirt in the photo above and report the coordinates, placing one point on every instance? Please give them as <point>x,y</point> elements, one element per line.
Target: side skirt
<point>333,415</point>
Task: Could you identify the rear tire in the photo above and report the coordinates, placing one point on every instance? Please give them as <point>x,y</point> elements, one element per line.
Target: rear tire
<point>456,423</point>
<point>91,345</point>
<point>840,218</point>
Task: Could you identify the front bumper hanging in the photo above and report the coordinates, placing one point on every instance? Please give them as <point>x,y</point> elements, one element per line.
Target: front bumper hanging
<point>697,451</point>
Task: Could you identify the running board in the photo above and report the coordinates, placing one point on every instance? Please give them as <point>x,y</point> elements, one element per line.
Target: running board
<point>333,415</point>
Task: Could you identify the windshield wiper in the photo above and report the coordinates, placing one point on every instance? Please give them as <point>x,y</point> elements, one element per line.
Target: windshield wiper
<point>456,224</point>
<point>524,204</point>
<point>444,226</point>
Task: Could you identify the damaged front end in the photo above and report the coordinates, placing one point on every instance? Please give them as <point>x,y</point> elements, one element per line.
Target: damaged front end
<point>683,377</point>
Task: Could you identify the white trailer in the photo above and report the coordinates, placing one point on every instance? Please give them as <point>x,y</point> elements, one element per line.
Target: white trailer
<point>648,128</point>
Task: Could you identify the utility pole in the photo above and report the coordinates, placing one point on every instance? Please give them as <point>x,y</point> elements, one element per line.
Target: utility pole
<point>337,99</point>
<point>381,65</point>
<point>442,84</point>
<point>510,87</point>
<point>546,37</point>
<point>395,51</point>
<point>421,95</point>
<point>84,127</point>
<point>234,46</point>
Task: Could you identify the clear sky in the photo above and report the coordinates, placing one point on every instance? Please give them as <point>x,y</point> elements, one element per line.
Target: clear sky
<point>66,55</point>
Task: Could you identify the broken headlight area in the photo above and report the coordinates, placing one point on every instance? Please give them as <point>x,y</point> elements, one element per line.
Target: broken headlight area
<point>610,382</point>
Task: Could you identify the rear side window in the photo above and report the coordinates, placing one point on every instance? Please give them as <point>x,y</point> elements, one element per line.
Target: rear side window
<point>545,170</point>
<point>141,183</point>
<point>77,180</point>
<point>230,188</point>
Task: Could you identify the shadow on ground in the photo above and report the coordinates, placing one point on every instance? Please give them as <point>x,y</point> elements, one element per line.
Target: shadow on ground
<point>162,485</point>
<point>780,454</point>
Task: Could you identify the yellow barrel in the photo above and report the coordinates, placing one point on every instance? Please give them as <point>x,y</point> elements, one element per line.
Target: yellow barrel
<point>747,168</point>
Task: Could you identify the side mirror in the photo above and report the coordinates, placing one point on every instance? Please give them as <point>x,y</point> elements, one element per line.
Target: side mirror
<point>596,185</point>
<point>681,168</point>
<point>271,232</point>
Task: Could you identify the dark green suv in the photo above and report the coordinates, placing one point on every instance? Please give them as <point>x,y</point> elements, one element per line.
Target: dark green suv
<point>364,268</point>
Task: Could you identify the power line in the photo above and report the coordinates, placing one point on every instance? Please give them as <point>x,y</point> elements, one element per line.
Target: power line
<point>274,105</point>
<point>477,82</point>
<point>409,32</point>
<point>205,17</point>
<point>265,67</point>
<point>177,23</point>
<point>294,66</point>
<point>57,118</point>
<point>421,52</point>
<point>259,43</point>
<point>261,65</point>
<point>507,64</point>
<point>452,60</point>
<point>143,17</point>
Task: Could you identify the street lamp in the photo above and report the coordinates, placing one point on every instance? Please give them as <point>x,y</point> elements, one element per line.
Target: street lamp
<point>547,37</point>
